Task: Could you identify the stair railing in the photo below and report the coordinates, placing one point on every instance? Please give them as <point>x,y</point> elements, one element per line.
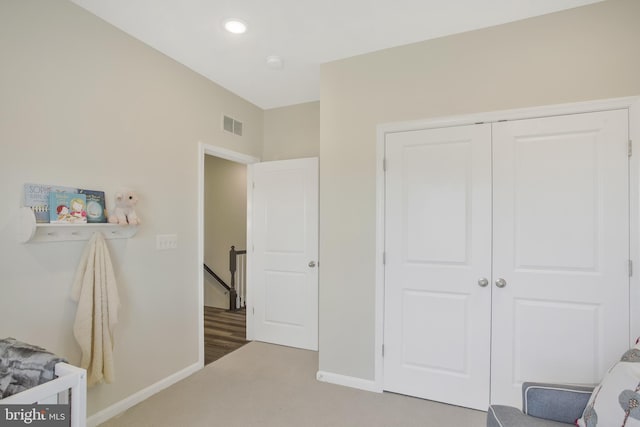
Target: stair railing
<point>218,279</point>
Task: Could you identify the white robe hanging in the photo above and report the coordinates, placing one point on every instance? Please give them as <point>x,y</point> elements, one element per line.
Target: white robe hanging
<point>95,291</point>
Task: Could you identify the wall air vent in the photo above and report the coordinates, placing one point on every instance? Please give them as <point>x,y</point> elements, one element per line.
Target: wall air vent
<point>227,124</point>
<point>237,127</point>
<point>231,125</point>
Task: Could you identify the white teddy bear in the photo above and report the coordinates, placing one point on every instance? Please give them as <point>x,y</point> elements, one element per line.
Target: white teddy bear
<point>123,213</point>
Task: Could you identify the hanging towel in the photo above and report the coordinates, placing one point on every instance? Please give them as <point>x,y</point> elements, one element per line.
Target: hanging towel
<point>95,291</point>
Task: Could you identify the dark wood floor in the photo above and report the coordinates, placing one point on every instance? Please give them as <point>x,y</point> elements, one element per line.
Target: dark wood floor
<point>224,332</point>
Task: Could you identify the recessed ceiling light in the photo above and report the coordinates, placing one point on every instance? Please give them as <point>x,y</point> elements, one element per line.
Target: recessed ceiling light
<point>235,26</point>
<point>275,62</point>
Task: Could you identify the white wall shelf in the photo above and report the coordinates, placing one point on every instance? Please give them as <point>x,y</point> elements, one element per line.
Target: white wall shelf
<point>31,232</point>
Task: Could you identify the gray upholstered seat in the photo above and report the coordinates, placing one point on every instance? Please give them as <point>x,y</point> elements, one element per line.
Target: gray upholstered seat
<point>544,405</point>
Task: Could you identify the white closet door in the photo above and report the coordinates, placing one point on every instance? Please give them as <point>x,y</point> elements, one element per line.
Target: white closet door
<point>438,247</point>
<point>561,245</point>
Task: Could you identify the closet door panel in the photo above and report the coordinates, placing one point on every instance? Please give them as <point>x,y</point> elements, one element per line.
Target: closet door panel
<point>438,245</point>
<point>556,202</point>
<point>561,245</point>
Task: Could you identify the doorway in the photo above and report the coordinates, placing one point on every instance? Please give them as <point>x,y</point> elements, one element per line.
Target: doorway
<point>225,228</point>
<point>284,302</point>
<point>211,290</point>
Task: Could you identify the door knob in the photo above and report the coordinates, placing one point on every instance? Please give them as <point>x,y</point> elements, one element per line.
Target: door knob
<point>312,264</point>
<point>483,282</point>
<point>501,283</point>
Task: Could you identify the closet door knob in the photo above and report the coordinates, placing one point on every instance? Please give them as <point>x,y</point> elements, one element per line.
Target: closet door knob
<point>501,283</point>
<point>483,282</point>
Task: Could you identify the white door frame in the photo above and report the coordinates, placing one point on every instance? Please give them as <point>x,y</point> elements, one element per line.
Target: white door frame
<point>632,103</point>
<point>223,153</point>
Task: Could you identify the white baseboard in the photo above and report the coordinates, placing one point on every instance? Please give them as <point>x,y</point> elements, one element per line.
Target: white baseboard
<point>134,399</point>
<point>353,382</point>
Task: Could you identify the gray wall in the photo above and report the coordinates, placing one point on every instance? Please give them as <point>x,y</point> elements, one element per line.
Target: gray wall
<point>581,54</point>
<point>292,132</point>
<point>83,104</point>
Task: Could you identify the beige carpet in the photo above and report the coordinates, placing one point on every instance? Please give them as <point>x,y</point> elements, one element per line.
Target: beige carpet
<point>274,386</point>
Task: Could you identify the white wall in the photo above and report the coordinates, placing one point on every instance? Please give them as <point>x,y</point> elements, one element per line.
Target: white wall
<point>225,222</point>
<point>82,104</point>
<point>581,54</point>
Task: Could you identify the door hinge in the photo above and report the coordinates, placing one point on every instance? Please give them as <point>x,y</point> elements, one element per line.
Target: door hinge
<point>253,184</point>
<point>382,350</point>
<point>630,268</point>
<point>253,311</point>
<point>630,148</point>
<point>384,258</point>
<point>384,165</point>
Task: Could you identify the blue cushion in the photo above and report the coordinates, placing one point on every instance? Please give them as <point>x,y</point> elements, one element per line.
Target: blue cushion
<point>544,405</point>
<point>555,402</point>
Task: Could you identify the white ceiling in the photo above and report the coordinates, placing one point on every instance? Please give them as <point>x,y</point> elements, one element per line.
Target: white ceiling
<point>305,33</point>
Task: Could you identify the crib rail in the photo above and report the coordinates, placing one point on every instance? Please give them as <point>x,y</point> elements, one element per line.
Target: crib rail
<point>71,381</point>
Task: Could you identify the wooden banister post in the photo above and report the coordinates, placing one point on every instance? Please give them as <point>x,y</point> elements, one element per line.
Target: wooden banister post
<point>233,294</point>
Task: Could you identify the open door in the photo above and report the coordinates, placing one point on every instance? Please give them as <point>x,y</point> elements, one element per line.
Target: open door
<point>283,257</point>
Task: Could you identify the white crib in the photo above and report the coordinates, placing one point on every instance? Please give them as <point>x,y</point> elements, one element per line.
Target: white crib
<point>70,386</point>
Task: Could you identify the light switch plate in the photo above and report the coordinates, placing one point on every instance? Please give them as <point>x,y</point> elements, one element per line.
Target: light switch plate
<point>165,242</point>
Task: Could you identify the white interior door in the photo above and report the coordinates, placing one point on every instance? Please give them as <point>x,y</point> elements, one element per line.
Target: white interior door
<point>284,298</point>
<point>438,261</point>
<point>561,245</point>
